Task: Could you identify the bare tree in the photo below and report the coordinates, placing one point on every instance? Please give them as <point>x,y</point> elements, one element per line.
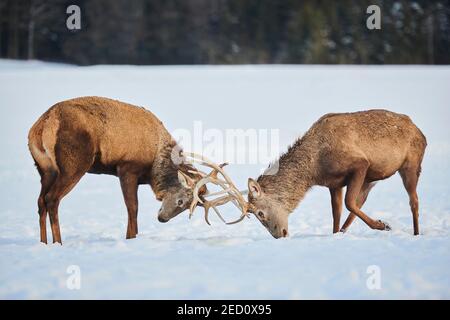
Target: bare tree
<point>2,19</point>
<point>13,9</point>
<point>37,9</point>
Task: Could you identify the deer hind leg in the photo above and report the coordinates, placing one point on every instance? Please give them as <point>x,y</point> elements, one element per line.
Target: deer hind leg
<point>75,155</point>
<point>410,176</point>
<point>129,185</point>
<point>47,179</point>
<point>362,197</point>
<point>62,186</point>
<point>354,187</point>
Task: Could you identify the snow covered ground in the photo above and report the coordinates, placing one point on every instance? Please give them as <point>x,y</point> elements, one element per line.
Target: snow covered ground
<point>189,259</point>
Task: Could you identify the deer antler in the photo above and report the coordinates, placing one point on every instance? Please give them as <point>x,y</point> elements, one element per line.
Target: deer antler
<point>207,178</point>
<point>233,193</point>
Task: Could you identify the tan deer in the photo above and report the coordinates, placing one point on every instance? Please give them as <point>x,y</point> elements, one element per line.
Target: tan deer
<point>104,136</point>
<point>347,149</point>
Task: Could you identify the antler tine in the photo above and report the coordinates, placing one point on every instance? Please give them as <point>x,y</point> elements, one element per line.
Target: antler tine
<point>207,179</point>
<point>215,203</point>
<point>202,182</point>
<point>218,193</point>
<point>195,194</point>
<point>238,220</point>
<point>234,195</point>
<point>218,214</point>
<point>210,177</point>
<point>206,215</point>
<point>206,162</point>
<point>228,189</point>
<point>216,211</point>
<point>198,172</point>
<point>244,214</point>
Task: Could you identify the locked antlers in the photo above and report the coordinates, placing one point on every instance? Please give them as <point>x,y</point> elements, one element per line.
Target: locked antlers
<point>230,192</point>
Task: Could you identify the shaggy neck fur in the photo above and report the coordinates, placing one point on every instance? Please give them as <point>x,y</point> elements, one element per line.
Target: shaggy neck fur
<point>165,171</point>
<point>295,176</point>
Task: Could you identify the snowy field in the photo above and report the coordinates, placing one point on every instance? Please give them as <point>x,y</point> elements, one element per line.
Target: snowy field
<point>187,259</point>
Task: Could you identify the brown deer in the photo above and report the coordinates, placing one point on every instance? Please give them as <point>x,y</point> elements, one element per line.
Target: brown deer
<point>104,136</point>
<point>346,149</point>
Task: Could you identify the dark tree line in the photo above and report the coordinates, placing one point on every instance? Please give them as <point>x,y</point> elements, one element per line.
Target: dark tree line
<point>226,32</point>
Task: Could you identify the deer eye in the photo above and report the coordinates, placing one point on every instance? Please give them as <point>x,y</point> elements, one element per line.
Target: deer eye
<point>261,214</point>
<point>180,202</point>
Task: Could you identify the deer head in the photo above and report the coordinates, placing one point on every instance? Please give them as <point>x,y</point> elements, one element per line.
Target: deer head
<point>269,212</point>
<point>179,197</point>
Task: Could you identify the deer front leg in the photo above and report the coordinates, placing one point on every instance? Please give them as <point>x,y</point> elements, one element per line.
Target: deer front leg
<point>336,204</point>
<point>354,187</point>
<point>362,197</point>
<point>129,185</point>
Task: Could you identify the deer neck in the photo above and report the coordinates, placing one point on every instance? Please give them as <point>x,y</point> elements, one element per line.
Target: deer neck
<point>164,170</point>
<point>295,176</point>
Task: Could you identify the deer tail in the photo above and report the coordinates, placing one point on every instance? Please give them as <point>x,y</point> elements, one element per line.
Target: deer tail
<point>42,139</point>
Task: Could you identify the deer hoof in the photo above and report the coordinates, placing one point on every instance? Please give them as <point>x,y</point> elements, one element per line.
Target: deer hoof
<point>386,226</point>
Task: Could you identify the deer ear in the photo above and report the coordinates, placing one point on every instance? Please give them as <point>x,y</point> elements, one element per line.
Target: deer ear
<point>185,180</point>
<point>254,188</point>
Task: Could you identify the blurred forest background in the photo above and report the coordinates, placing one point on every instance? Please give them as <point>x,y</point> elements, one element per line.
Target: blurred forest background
<point>226,32</point>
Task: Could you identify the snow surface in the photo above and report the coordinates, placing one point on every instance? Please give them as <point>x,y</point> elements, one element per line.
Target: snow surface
<point>189,259</point>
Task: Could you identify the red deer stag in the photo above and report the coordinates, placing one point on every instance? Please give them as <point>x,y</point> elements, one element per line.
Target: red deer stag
<point>342,149</point>
<point>104,136</point>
